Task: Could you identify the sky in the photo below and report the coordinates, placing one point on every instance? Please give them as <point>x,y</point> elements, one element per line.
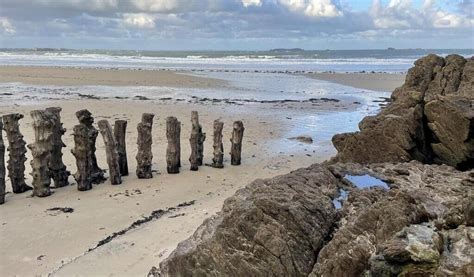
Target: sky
<point>236,24</point>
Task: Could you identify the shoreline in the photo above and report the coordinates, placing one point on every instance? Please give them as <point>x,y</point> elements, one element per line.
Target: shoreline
<point>81,76</point>
<point>73,76</point>
<point>371,81</point>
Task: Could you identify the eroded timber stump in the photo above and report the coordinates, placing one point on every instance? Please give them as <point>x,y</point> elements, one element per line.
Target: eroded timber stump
<point>2,165</point>
<point>16,152</point>
<point>236,143</point>
<point>111,152</point>
<point>173,132</point>
<point>120,129</point>
<point>144,142</point>
<point>58,169</point>
<point>43,125</point>
<point>85,117</point>
<point>194,141</point>
<point>218,159</point>
<point>82,153</point>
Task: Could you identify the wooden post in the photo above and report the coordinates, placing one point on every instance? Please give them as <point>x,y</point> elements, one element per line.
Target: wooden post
<point>173,130</point>
<point>120,130</point>
<point>2,165</point>
<point>201,137</point>
<point>16,152</point>
<point>56,165</point>
<point>43,124</point>
<point>85,117</point>
<point>144,142</point>
<point>236,143</point>
<point>218,160</point>
<point>82,153</point>
<point>194,141</point>
<point>111,152</point>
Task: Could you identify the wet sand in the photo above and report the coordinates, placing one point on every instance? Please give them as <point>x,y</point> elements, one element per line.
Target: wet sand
<point>69,76</point>
<point>371,81</point>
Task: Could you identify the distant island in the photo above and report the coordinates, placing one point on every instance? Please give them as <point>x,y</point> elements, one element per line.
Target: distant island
<point>286,50</point>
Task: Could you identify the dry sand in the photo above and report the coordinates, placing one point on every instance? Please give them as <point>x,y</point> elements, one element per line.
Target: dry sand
<point>371,81</point>
<point>68,76</point>
<point>35,241</point>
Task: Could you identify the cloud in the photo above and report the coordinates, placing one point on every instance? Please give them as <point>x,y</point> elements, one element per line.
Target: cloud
<point>314,8</point>
<point>139,20</point>
<point>224,22</point>
<point>6,27</point>
<point>248,3</point>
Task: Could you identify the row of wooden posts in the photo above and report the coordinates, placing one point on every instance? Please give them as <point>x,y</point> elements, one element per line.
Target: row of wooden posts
<point>47,163</point>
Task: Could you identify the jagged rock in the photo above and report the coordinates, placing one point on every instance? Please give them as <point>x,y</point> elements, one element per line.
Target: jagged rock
<point>271,227</point>
<point>430,119</point>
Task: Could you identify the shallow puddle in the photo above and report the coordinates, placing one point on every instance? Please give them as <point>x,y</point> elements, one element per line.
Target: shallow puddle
<point>366,181</point>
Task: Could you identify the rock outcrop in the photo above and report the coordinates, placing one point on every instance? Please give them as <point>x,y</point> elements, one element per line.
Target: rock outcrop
<point>288,226</point>
<point>430,119</point>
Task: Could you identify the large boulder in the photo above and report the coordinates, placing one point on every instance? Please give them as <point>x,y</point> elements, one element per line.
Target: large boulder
<point>430,119</point>
<point>271,227</point>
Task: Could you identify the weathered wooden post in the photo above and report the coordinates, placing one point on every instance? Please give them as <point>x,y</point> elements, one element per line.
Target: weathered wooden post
<point>144,142</point>
<point>85,117</point>
<point>173,132</point>
<point>2,165</point>
<point>120,129</point>
<point>16,152</point>
<point>218,160</point>
<point>201,137</point>
<point>194,141</point>
<point>43,124</point>
<point>82,153</point>
<point>236,143</point>
<point>56,165</point>
<point>111,152</point>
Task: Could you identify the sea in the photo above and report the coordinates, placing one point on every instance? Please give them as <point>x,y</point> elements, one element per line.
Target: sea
<point>273,75</point>
<point>291,60</point>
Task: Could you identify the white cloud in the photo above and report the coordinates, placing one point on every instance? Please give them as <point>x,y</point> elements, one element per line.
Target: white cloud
<point>139,20</point>
<point>6,27</point>
<point>248,3</point>
<point>158,5</point>
<point>89,5</point>
<point>313,8</point>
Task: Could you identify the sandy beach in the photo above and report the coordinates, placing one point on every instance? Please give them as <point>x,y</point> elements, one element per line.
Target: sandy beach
<point>43,242</point>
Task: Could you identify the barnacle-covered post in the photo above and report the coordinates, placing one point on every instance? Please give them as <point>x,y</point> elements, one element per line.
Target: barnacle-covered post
<point>82,153</point>
<point>173,132</point>
<point>43,125</point>
<point>2,165</point>
<point>85,117</point>
<point>111,152</point>
<point>16,152</point>
<point>144,142</point>
<point>218,159</point>
<point>57,167</point>
<point>120,130</point>
<point>236,143</point>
